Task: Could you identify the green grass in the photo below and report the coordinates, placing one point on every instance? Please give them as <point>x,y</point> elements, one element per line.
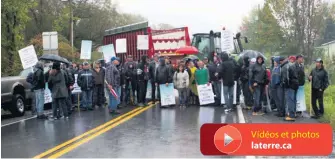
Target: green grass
<point>329,104</point>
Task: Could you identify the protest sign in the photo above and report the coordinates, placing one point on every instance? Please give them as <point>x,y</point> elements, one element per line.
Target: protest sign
<point>206,95</point>
<point>28,57</point>
<point>86,49</point>
<point>76,88</point>
<point>167,94</point>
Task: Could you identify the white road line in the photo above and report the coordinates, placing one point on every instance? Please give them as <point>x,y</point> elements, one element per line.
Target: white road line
<point>22,120</point>
<point>241,119</point>
<point>223,118</point>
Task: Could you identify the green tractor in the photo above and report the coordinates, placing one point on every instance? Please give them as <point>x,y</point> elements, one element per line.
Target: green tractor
<point>210,43</point>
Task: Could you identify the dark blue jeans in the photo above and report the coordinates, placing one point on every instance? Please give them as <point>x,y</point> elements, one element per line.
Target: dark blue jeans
<point>87,98</point>
<point>217,91</point>
<point>229,95</point>
<point>291,102</point>
<point>278,97</point>
<point>258,94</point>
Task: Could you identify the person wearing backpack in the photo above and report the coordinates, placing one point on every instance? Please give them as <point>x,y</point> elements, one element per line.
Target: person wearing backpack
<point>38,85</point>
<point>59,91</point>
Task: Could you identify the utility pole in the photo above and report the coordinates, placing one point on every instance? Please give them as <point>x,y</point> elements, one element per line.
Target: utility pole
<point>71,23</point>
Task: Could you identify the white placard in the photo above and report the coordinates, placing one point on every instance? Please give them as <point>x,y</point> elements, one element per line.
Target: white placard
<point>28,57</point>
<point>109,52</point>
<point>121,45</point>
<point>76,88</point>
<point>86,49</point>
<point>227,41</point>
<point>206,95</point>
<point>142,42</point>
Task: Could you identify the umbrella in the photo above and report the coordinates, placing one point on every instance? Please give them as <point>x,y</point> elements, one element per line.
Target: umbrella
<point>191,57</point>
<point>187,50</point>
<point>53,57</point>
<point>251,54</point>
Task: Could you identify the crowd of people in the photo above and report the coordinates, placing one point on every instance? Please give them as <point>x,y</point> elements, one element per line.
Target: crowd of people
<point>125,83</point>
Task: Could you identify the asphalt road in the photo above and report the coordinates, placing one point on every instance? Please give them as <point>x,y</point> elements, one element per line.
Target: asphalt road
<point>147,132</point>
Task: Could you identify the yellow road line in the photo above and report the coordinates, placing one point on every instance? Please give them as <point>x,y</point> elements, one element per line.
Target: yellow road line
<point>84,134</point>
<point>73,146</point>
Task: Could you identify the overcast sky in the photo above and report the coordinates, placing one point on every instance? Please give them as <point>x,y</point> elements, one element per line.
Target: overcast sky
<point>198,15</point>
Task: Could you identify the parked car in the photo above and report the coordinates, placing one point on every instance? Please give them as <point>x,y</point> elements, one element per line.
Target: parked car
<point>16,93</point>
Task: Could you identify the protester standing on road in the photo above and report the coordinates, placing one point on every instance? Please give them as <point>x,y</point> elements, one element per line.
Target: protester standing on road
<point>38,88</point>
<point>291,85</point>
<point>237,74</point>
<point>227,73</point>
<point>86,83</point>
<point>248,99</point>
<point>320,82</point>
<point>162,76</point>
<point>130,68</point>
<point>113,79</point>
<point>152,72</point>
<point>300,72</point>
<point>193,86</point>
<point>258,80</point>
<point>142,79</point>
<point>69,81</point>
<point>181,82</point>
<point>277,90</point>
<point>213,69</point>
<point>59,92</point>
<point>98,89</point>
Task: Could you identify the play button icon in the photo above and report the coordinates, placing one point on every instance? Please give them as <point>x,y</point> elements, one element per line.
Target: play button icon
<point>227,139</point>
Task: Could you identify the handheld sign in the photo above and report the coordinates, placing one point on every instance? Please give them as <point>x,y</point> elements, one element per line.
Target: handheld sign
<point>86,49</point>
<point>28,57</point>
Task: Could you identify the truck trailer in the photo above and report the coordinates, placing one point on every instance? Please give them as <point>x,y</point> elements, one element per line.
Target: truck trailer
<point>163,42</point>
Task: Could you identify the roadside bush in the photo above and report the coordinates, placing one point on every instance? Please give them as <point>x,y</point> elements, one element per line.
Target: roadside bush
<point>329,103</point>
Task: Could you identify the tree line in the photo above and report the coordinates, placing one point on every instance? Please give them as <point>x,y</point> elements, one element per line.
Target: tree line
<point>290,27</point>
<point>23,21</point>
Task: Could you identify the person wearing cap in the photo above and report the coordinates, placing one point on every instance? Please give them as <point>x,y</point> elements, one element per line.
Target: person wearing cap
<point>98,89</point>
<point>277,92</point>
<point>300,72</point>
<point>59,92</point>
<point>113,79</point>
<point>290,83</point>
<point>320,82</point>
<point>86,82</point>
<point>130,74</point>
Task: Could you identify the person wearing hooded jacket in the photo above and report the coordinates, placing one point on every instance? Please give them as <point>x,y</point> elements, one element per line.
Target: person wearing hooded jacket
<point>248,99</point>
<point>130,75</point>
<point>227,74</point>
<point>320,82</point>
<point>163,75</point>
<point>237,74</point>
<point>142,80</point>
<point>69,81</point>
<point>38,87</point>
<point>258,80</point>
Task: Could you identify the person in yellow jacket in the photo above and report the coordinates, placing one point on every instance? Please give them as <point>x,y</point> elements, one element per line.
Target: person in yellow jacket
<point>192,86</point>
